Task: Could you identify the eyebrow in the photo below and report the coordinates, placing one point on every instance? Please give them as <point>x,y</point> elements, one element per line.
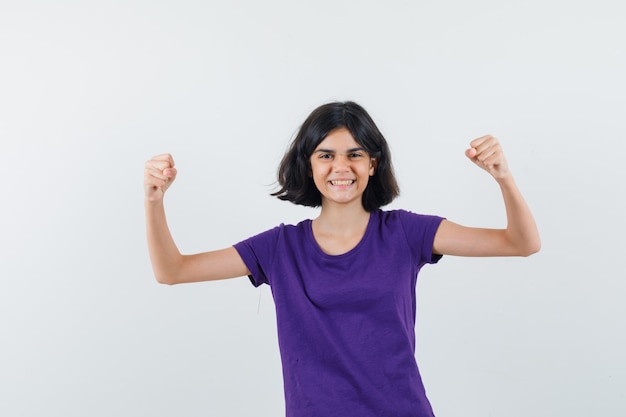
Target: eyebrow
<point>332,151</point>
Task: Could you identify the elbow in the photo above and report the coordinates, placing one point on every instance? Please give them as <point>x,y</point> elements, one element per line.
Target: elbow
<point>166,279</point>
<point>531,248</point>
<point>167,273</point>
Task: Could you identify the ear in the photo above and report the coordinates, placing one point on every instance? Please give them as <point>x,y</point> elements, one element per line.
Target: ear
<point>373,164</point>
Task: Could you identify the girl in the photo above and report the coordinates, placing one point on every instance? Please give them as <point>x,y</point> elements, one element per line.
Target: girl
<point>344,283</point>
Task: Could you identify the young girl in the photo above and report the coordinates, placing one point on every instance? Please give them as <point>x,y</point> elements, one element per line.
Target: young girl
<point>344,283</point>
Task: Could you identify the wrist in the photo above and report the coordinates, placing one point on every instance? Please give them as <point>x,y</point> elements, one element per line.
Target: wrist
<point>153,201</point>
<point>506,181</point>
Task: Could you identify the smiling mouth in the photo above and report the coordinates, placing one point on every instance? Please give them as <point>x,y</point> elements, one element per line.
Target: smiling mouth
<point>342,182</point>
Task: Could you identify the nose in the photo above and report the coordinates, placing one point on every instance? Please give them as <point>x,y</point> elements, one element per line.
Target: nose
<point>341,163</point>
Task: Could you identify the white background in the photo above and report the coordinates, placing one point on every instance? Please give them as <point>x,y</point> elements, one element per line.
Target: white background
<point>90,90</point>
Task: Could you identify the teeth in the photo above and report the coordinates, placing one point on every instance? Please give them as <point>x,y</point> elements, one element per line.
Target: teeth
<point>342,182</point>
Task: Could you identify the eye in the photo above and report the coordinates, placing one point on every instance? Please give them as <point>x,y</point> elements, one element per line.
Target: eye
<point>355,155</point>
<point>325,156</point>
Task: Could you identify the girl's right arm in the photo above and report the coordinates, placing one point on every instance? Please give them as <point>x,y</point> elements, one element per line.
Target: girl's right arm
<point>168,264</point>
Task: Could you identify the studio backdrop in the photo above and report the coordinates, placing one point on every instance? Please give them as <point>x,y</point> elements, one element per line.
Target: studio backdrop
<point>90,90</point>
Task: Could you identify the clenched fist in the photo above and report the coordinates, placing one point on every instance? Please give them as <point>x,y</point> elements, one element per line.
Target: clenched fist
<point>159,173</point>
<point>487,153</point>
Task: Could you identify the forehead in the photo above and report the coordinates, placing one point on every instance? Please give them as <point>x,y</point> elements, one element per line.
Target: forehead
<point>340,138</point>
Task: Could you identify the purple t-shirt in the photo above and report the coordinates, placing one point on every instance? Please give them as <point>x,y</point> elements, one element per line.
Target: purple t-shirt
<point>346,323</point>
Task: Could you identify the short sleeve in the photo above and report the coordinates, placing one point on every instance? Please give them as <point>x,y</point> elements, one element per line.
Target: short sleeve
<point>258,254</point>
<point>420,230</point>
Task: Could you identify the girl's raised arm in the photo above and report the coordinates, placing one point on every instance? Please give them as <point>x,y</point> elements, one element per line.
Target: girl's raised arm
<point>520,238</point>
<point>168,264</point>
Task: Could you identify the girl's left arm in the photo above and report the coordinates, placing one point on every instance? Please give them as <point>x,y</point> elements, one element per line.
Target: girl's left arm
<point>520,238</point>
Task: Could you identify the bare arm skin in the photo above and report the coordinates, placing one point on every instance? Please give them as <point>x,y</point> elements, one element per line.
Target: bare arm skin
<point>168,264</point>
<point>520,238</point>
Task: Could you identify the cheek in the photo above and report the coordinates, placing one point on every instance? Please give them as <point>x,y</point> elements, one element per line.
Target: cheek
<point>317,174</point>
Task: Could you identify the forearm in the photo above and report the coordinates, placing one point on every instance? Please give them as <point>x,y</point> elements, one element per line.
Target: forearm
<point>165,257</point>
<point>521,231</point>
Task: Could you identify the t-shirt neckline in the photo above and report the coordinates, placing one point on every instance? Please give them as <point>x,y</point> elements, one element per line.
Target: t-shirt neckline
<point>355,249</point>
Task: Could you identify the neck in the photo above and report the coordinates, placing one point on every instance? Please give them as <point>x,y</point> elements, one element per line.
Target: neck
<point>342,218</point>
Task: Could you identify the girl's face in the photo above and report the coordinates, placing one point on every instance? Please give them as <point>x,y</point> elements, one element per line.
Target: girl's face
<point>341,168</point>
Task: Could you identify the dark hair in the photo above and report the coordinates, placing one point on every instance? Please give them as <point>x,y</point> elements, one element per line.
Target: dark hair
<point>294,172</point>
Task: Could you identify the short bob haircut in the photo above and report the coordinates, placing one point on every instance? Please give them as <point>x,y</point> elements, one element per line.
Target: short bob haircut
<point>294,172</point>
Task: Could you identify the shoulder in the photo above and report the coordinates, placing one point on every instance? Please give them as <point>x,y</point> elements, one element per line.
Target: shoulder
<point>263,247</point>
<point>418,229</point>
<point>409,221</point>
<point>281,231</point>
<point>403,215</point>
